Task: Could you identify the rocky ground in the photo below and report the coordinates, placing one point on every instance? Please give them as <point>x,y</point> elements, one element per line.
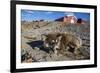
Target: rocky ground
<point>31,38</point>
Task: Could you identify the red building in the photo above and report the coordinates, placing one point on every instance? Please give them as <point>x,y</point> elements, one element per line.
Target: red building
<point>80,21</point>
<point>68,19</point>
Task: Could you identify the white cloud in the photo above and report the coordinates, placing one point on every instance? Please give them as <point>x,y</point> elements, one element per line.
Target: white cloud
<point>49,12</point>
<point>69,13</point>
<point>30,11</point>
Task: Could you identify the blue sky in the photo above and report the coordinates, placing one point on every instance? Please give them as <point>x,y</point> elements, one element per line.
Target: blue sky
<point>30,15</point>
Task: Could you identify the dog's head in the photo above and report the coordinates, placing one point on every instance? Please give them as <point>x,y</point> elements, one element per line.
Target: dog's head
<point>51,40</point>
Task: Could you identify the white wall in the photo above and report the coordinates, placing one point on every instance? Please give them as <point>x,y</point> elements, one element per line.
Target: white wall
<point>68,1</point>
<point>5,37</point>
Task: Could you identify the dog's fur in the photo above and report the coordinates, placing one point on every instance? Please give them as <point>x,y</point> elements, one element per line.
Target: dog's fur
<point>50,41</point>
<point>62,41</point>
<point>69,41</point>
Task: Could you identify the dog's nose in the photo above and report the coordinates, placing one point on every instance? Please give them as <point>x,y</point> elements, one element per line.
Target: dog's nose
<point>56,47</point>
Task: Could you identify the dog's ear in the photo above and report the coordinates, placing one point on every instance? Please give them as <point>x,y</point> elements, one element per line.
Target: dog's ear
<point>58,34</point>
<point>43,37</point>
<point>59,37</point>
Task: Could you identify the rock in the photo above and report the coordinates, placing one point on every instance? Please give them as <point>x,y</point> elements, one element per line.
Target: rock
<point>36,48</point>
<point>39,55</point>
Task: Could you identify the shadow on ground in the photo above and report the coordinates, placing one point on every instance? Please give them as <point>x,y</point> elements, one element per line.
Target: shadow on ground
<point>38,44</point>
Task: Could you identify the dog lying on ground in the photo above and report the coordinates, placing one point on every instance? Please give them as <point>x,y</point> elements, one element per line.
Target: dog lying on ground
<point>62,41</point>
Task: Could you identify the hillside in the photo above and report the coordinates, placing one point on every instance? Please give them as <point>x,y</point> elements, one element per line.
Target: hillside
<point>32,31</point>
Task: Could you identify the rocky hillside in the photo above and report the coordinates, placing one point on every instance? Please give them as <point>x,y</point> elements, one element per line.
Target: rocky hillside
<point>31,38</point>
